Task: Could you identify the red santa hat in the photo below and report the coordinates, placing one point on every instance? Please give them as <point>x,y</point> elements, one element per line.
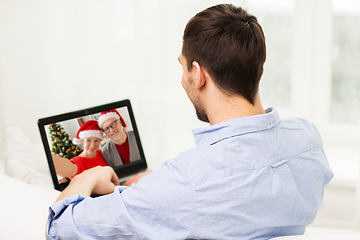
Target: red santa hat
<point>110,114</point>
<point>87,130</point>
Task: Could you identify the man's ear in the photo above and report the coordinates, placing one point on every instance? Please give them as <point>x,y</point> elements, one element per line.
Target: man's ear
<point>199,75</point>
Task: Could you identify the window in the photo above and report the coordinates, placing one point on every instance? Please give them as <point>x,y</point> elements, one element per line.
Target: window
<point>276,19</point>
<point>345,96</point>
<point>312,71</point>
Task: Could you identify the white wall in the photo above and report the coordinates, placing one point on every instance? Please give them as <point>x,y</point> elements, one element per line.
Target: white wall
<point>1,122</point>
<point>59,56</point>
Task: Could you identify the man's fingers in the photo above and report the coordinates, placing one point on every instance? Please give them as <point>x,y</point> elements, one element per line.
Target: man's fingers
<point>114,178</point>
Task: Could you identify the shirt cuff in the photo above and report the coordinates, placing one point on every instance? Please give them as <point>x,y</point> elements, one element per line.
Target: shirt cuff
<point>58,208</point>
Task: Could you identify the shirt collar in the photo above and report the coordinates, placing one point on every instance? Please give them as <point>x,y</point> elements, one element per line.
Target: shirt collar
<point>238,126</point>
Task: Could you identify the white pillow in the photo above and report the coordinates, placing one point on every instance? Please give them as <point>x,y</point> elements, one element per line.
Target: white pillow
<point>22,161</point>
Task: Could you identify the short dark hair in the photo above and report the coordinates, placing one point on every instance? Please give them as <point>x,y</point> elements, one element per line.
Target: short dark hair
<point>229,43</point>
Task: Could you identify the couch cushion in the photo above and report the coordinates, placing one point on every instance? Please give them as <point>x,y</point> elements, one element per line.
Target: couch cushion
<point>21,159</point>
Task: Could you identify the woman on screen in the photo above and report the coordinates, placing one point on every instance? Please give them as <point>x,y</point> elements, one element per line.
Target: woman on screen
<point>89,134</point>
<point>122,148</point>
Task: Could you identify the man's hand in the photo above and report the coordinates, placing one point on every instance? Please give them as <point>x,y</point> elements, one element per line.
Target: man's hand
<point>135,178</point>
<point>97,180</point>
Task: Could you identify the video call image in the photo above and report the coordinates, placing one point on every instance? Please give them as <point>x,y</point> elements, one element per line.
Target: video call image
<point>112,145</point>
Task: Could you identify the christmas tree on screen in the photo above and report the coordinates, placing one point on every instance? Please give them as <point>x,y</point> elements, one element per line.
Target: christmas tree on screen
<point>61,144</point>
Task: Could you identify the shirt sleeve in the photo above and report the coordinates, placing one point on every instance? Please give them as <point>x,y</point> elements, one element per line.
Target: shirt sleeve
<point>154,207</point>
<point>56,211</point>
<point>65,217</point>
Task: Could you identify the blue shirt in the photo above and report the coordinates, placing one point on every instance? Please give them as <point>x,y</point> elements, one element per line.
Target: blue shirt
<point>255,177</point>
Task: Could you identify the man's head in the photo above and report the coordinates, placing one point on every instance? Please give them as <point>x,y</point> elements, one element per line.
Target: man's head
<point>187,82</point>
<point>230,45</point>
<point>112,124</point>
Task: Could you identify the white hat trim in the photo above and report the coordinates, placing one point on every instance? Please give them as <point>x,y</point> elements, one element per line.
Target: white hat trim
<point>107,116</point>
<point>91,133</point>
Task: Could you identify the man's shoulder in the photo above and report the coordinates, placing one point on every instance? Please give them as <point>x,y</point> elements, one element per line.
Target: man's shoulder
<point>296,121</point>
<point>194,163</point>
<point>299,127</point>
<point>130,133</point>
<point>182,160</point>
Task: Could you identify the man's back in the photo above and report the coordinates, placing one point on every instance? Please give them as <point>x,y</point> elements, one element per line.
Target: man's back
<point>255,177</point>
<point>247,178</point>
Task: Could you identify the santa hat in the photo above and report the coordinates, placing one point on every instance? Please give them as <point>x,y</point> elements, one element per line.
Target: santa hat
<point>87,130</point>
<point>110,114</point>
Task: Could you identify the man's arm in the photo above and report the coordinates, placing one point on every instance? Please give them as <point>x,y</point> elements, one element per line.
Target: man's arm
<point>124,212</point>
<point>97,180</point>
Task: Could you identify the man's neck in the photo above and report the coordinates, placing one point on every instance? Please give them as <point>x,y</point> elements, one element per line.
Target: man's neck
<point>217,104</point>
<point>225,108</point>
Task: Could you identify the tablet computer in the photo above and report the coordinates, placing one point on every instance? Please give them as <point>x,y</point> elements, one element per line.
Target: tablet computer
<point>58,131</point>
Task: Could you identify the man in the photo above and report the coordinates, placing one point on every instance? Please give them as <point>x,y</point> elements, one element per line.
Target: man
<point>250,176</point>
<point>122,147</point>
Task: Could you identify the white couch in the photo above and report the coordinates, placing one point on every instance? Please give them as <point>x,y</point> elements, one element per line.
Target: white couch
<point>24,209</point>
<point>27,193</point>
<point>26,187</point>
